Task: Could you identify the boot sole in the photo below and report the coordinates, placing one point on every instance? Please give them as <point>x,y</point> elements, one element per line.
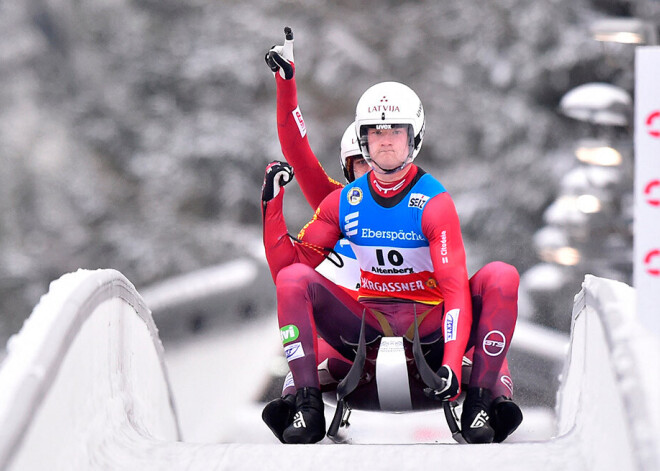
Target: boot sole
<point>484,435</point>
<point>507,416</point>
<point>295,439</point>
<point>278,417</point>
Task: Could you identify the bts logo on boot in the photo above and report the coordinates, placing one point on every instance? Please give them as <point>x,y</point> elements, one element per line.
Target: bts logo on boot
<point>299,421</point>
<point>480,420</point>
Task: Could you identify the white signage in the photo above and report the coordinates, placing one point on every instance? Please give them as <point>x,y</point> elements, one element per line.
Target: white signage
<point>646,276</point>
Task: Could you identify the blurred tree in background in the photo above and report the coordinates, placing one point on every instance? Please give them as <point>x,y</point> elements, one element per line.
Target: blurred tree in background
<point>134,133</point>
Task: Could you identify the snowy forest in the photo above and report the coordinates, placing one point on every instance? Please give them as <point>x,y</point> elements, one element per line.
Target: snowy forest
<point>134,133</point>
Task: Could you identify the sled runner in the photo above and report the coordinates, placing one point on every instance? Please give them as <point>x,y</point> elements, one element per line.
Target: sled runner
<point>386,375</point>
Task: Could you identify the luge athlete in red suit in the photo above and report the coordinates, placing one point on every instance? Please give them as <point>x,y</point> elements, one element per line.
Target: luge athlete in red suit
<point>491,293</point>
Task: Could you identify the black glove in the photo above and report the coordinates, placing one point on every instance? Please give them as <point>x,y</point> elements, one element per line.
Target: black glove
<point>277,175</point>
<point>280,58</point>
<point>451,386</point>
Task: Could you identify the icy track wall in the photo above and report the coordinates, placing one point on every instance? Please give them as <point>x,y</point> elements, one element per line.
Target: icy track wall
<point>608,403</point>
<point>84,382</point>
<point>84,388</point>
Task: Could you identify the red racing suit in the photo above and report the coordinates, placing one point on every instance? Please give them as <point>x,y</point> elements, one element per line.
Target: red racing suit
<point>448,293</point>
<point>292,133</point>
<point>493,288</point>
<point>312,178</point>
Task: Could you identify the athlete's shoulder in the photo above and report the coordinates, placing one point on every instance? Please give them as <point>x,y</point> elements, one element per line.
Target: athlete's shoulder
<point>332,199</point>
<point>428,184</point>
<point>354,190</point>
<point>429,181</point>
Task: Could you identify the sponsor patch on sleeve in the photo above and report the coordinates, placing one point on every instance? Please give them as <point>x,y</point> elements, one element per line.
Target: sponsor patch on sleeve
<point>293,351</point>
<point>451,324</point>
<point>289,333</point>
<point>288,380</point>
<point>298,118</point>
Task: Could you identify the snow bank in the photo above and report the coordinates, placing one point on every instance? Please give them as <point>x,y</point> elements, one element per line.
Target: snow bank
<point>84,387</point>
<point>84,379</point>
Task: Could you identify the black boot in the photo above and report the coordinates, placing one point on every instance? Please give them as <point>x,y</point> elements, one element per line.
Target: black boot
<point>505,417</point>
<point>475,419</point>
<point>278,414</point>
<point>308,420</point>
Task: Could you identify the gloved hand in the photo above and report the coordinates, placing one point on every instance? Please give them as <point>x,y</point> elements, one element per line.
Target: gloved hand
<point>450,388</point>
<point>280,58</point>
<point>277,175</point>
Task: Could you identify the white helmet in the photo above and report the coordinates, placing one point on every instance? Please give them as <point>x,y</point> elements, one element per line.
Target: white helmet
<point>390,103</point>
<point>350,147</point>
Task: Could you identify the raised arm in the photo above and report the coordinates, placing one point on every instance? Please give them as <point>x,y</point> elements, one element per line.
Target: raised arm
<point>291,130</point>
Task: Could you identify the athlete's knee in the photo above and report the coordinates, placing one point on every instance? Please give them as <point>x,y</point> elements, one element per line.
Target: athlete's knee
<point>500,274</point>
<point>291,284</point>
<point>296,272</point>
<point>504,270</point>
<point>509,278</point>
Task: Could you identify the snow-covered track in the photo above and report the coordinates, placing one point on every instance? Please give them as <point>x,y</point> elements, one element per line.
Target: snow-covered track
<point>83,378</point>
<point>84,387</point>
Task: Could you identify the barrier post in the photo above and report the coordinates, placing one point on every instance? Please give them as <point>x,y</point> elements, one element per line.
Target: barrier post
<point>646,271</point>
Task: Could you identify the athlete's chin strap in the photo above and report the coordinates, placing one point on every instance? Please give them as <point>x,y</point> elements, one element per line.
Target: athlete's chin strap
<point>385,171</point>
